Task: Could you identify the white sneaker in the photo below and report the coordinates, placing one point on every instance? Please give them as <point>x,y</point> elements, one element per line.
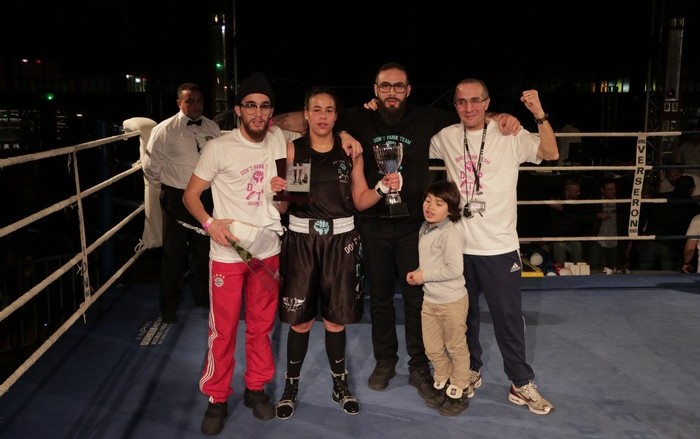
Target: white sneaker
<point>528,395</point>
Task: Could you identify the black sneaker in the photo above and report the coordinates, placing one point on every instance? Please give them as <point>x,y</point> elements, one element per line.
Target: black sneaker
<point>213,422</point>
<point>455,401</point>
<point>342,395</point>
<point>383,372</point>
<point>258,400</point>
<point>286,404</point>
<point>436,399</point>
<point>422,380</point>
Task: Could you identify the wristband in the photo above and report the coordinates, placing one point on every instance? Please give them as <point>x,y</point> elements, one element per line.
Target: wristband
<point>381,188</point>
<point>541,120</point>
<point>206,225</point>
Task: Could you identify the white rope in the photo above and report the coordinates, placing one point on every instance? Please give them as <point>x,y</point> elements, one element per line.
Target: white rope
<point>593,201</point>
<point>81,226</point>
<point>53,338</point>
<point>565,168</point>
<point>623,134</point>
<point>136,167</point>
<point>588,238</point>
<point>62,151</point>
<point>608,238</point>
<point>24,298</point>
<point>81,258</point>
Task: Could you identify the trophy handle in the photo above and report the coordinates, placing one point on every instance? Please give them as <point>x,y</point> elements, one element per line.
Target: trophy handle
<point>281,165</point>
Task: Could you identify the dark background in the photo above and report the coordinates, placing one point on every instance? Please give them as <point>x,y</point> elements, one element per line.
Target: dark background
<point>342,43</point>
<point>564,49</point>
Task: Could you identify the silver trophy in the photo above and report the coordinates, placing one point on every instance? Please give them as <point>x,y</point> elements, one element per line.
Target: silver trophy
<point>389,155</point>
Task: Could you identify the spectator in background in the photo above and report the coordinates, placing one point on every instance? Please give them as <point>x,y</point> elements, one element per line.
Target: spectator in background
<point>568,220</point>
<point>611,219</point>
<point>691,263</point>
<point>172,153</point>
<point>666,220</point>
<point>689,150</point>
<point>672,175</point>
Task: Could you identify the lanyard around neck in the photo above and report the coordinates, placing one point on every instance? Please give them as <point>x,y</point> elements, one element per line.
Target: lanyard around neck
<point>476,169</point>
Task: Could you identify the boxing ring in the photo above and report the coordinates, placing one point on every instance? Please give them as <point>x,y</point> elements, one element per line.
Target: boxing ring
<point>136,127</point>
<point>638,171</point>
<point>146,212</point>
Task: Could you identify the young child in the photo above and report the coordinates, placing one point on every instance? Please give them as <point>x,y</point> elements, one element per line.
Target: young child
<point>445,302</point>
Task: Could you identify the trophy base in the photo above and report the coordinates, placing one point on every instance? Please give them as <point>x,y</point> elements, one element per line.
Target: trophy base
<point>396,210</point>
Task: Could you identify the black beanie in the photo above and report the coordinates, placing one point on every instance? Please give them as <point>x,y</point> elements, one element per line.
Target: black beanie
<point>255,83</point>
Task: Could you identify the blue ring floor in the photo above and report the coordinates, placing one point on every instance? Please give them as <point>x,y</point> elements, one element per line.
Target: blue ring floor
<point>617,355</point>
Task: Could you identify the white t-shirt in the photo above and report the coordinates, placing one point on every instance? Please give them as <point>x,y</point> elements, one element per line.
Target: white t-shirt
<point>240,171</point>
<point>494,232</point>
<point>694,229</point>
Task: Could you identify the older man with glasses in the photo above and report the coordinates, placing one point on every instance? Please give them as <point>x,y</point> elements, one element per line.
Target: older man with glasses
<point>484,164</point>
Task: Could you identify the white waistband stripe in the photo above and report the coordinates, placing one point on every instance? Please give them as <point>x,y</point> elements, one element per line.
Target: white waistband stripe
<point>321,226</point>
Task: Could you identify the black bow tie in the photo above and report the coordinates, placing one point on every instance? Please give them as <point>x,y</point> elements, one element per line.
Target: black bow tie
<point>194,122</point>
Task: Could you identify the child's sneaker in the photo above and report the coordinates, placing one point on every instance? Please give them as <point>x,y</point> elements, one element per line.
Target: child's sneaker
<point>456,401</point>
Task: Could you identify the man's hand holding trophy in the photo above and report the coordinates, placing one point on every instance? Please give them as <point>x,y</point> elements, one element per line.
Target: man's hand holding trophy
<point>389,156</point>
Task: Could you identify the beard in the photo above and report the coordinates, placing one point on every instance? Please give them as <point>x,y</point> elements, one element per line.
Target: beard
<point>256,134</point>
<point>392,115</point>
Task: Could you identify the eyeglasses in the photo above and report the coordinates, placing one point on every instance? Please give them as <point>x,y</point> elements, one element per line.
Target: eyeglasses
<point>252,108</point>
<point>385,87</point>
<point>474,101</point>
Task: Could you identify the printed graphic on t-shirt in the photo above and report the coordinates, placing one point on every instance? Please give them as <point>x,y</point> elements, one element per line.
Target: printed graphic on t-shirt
<point>467,173</point>
<point>255,186</point>
<point>343,171</point>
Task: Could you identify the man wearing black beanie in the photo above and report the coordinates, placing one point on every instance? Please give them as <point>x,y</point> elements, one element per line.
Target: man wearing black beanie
<point>245,230</point>
<point>255,83</point>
